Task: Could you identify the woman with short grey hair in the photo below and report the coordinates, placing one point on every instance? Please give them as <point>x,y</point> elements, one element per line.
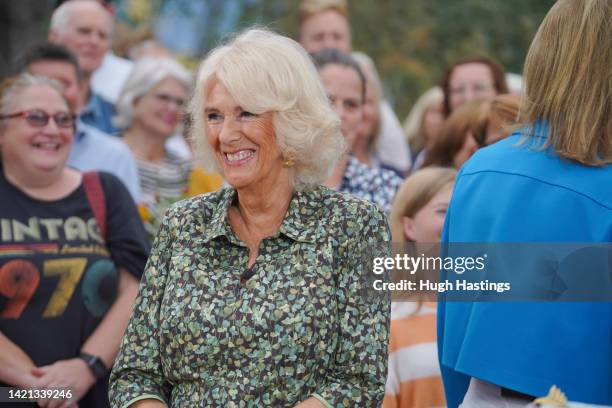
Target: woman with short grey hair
<point>150,110</point>
<point>256,295</point>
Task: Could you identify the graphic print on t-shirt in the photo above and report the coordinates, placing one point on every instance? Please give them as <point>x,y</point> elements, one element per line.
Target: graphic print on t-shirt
<point>57,279</point>
<point>76,256</point>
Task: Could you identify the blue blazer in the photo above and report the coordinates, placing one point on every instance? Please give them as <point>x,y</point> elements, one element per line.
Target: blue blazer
<point>511,192</point>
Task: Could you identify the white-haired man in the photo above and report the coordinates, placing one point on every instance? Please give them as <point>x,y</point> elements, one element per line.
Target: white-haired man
<point>85,28</point>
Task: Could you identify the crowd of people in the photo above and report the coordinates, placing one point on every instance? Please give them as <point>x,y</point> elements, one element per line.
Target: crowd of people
<point>250,199</point>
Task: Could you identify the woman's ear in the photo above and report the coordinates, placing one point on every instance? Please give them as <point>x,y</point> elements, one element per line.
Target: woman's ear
<point>408,227</point>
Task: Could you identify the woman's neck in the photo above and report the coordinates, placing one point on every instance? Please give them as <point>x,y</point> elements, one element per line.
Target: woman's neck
<point>361,149</point>
<point>145,145</point>
<point>335,179</point>
<point>363,156</point>
<point>44,185</point>
<point>261,211</point>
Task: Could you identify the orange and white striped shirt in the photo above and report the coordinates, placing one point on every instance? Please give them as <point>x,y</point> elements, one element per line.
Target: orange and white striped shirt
<point>414,379</point>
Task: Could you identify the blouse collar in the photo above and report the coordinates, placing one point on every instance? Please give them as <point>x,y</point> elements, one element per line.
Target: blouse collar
<point>300,223</point>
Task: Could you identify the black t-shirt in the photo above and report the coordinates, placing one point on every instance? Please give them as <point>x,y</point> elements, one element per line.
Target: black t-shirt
<point>58,276</point>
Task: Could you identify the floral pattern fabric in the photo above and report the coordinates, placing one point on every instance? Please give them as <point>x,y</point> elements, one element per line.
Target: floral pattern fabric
<point>374,184</point>
<point>305,324</point>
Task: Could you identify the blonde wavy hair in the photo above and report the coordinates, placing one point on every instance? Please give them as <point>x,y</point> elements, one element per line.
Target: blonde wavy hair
<point>568,80</point>
<point>267,72</point>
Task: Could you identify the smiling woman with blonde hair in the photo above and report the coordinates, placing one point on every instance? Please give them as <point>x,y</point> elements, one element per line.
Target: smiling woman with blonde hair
<point>254,295</point>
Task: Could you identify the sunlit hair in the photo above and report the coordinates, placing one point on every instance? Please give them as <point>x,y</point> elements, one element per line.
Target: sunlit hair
<point>63,15</point>
<point>12,87</point>
<point>505,108</point>
<point>414,194</point>
<point>146,74</point>
<point>469,118</point>
<point>568,80</point>
<point>497,72</point>
<point>266,72</point>
<point>308,8</point>
<point>413,125</point>
<point>503,114</point>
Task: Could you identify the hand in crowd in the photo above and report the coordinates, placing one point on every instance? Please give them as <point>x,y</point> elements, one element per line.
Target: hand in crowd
<point>72,374</point>
<point>29,380</point>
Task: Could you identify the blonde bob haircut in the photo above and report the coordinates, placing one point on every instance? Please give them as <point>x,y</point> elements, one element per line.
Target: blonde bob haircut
<point>266,72</point>
<point>568,80</point>
<point>414,194</point>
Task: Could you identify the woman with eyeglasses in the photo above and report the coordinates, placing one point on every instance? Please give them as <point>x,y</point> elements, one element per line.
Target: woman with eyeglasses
<point>70,256</point>
<point>150,110</point>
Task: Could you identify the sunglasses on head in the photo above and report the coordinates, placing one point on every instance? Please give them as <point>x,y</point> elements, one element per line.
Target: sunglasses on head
<point>39,118</point>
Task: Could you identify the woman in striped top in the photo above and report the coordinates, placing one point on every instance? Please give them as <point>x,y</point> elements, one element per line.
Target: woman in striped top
<point>150,110</point>
<point>417,215</point>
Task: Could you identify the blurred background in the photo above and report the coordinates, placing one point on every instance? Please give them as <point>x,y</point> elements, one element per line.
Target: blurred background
<point>411,41</point>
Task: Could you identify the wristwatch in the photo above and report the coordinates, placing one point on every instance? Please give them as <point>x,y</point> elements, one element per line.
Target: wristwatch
<point>95,364</point>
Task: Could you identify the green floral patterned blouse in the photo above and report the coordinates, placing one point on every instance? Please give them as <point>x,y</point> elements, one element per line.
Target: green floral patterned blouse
<point>305,324</point>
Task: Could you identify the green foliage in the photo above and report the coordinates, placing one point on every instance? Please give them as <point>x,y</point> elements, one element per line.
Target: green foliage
<point>412,41</point>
